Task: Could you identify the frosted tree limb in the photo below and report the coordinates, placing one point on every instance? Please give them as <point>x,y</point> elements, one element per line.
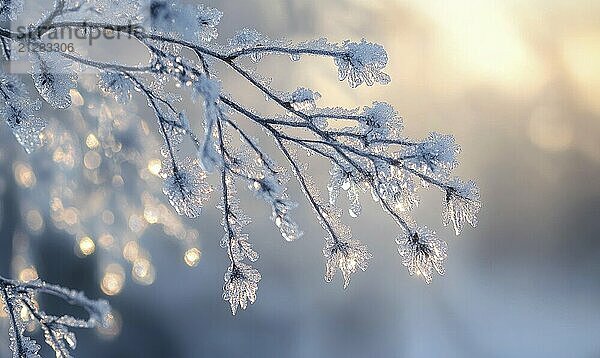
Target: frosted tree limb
<point>20,303</point>
<point>365,147</point>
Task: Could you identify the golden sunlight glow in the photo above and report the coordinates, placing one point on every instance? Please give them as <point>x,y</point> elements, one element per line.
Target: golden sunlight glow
<point>481,41</point>
<point>91,141</point>
<point>549,129</point>
<point>86,246</point>
<point>192,257</point>
<point>131,251</point>
<point>106,240</point>
<point>154,166</point>
<point>143,271</point>
<point>34,220</point>
<point>581,55</point>
<point>56,204</point>
<point>24,175</point>
<point>28,274</point>
<point>64,155</point>
<point>92,160</point>
<point>113,280</point>
<point>71,216</point>
<point>151,214</point>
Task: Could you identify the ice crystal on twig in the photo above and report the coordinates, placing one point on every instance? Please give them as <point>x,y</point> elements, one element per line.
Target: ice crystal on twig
<point>304,99</point>
<point>350,181</point>
<point>436,155</point>
<point>241,279</point>
<point>288,228</point>
<point>116,83</point>
<point>347,256</point>
<point>247,38</point>
<point>461,204</point>
<point>241,284</point>
<point>53,77</point>
<point>362,62</point>
<point>422,253</point>
<point>380,121</point>
<point>18,112</point>
<point>186,187</point>
<point>208,19</point>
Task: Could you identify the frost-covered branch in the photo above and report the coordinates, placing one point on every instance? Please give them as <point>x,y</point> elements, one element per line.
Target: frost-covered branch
<point>365,147</point>
<point>20,303</point>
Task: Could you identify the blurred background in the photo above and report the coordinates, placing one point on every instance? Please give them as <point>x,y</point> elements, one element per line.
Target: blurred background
<point>518,85</point>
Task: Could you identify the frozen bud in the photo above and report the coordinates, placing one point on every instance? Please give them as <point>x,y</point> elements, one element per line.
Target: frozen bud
<point>241,284</point>
<point>347,256</point>
<point>362,62</point>
<point>304,99</point>
<point>461,204</point>
<point>422,253</point>
<point>437,154</point>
